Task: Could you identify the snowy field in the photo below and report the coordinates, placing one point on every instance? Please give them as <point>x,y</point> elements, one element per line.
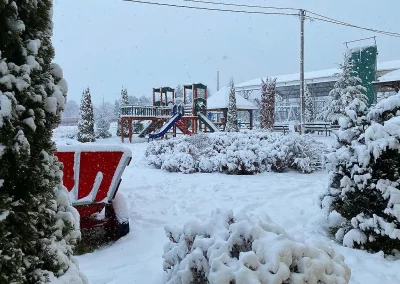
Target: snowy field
<point>157,198</point>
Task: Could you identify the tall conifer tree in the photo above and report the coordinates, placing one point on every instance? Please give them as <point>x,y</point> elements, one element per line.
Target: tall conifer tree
<point>38,225</point>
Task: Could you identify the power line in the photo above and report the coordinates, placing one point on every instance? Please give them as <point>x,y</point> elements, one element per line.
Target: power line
<point>241,5</point>
<point>319,16</point>
<point>210,9</point>
<point>337,22</point>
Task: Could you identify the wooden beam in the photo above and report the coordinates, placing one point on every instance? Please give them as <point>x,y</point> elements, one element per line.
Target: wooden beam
<point>122,129</point>
<point>130,130</point>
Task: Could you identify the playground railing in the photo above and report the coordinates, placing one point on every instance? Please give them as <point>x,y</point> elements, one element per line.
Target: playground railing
<point>146,111</point>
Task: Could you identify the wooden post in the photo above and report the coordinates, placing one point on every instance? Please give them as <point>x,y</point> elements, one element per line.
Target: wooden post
<point>194,96</point>
<point>251,118</point>
<point>184,95</point>
<point>130,130</point>
<point>205,97</point>
<point>154,96</point>
<point>225,111</point>
<point>122,129</point>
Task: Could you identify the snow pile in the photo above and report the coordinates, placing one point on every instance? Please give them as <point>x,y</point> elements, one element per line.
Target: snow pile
<point>65,132</point>
<point>237,153</point>
<point>121,208</point>
<point>247,249</point>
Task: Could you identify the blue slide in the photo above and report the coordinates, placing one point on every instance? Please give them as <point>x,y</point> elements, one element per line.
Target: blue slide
<point>167,126</point>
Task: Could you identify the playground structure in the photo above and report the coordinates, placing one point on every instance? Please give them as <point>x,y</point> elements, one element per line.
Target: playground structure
<point>92,175</point>
<point>189,116</point>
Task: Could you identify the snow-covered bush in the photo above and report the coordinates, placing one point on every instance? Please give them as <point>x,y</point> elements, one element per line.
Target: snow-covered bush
<point>237,153</point>
<point>243,249</point>
<point>65,132</point>
<point>365,179</point>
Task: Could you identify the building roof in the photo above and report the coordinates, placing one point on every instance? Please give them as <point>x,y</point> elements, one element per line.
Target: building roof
<point>390,77</point>
<point>220,100</point>
<point>319,76</point>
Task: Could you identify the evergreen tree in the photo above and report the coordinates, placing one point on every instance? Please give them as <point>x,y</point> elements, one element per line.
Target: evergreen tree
<point>364,182</point>
<point>179,94</point>
<point>309,111</point>
<point>347,88</point>
<point>86,119</point>
<point>232,120</point>
<point>38,225</point>
<point>123,101</point>
<point>103,122</point>
<point>267,104</point>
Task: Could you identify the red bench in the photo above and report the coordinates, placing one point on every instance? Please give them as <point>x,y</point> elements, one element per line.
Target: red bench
<point>92,175</point>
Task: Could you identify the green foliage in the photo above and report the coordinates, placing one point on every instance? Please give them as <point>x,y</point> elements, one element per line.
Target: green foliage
<point>364,181</point>
<point>267,105</point>
<point>86,119</point>
<point>232,120</point>
<point>38,225</point>
<point>123,101</point>
<point>103,123</point>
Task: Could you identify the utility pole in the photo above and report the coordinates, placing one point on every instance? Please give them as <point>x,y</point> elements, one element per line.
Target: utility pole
<point>217,80</point>
<point>302,87</point>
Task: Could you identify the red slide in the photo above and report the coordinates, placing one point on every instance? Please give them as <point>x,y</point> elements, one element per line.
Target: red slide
<point>183,127</point>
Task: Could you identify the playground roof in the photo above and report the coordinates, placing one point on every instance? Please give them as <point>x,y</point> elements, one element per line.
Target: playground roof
<point>163,89</point>
<point>198,86</point>
<point>220,100</point>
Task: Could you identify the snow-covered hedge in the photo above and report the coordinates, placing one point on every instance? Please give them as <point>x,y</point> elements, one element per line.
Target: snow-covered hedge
<point>65,132</point>
<point>227,249</point>
<point>237,153</point>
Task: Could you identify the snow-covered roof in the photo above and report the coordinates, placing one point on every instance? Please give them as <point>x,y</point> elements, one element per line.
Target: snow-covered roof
<point>390,77</point>
<point>220,100</point>
<point>319,76</point>
<point>388,65</point>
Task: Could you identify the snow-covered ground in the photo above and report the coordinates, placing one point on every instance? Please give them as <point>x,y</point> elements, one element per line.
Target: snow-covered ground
<point>157,198</point>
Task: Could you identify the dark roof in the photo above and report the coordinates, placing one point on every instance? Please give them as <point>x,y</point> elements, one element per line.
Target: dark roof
<point>163,89</point>
<point>198,86</point>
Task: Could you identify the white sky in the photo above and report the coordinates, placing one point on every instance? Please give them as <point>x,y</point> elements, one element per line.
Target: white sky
<point>107,44</point>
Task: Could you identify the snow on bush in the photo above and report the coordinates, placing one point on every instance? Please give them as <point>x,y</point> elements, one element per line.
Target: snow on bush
<point>65,132</point>
<point>227,249</point>
<point>237,153</point>
<point>364,185</point>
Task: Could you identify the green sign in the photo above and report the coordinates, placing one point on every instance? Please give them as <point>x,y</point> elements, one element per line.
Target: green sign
<point>365,63</point>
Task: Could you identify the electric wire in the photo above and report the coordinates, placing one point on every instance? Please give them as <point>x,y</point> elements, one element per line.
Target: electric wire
<point>240,5</point>
<point>210,9</point>
<point>316,17</point>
